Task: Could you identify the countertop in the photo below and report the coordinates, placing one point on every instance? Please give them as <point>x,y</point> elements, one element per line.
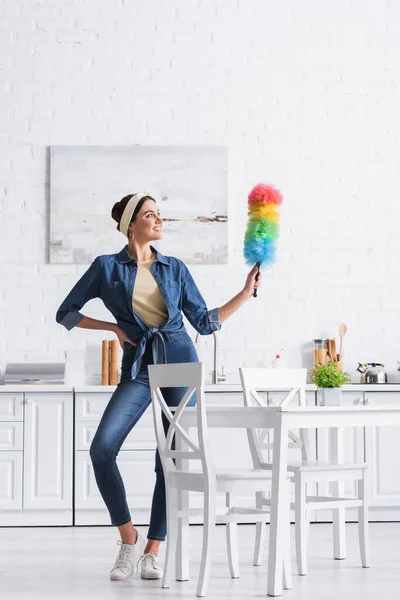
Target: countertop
<point>36,388</point>
<point>221,387</point>
<point>236,387</point>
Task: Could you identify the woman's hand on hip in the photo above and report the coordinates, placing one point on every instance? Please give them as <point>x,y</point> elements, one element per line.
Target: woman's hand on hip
<point>122,337</point>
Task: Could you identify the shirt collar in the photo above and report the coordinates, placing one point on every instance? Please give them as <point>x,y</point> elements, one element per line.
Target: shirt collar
<point>125,257</point>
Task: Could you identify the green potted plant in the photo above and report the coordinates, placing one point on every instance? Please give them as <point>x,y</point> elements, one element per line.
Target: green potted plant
<point>330,379</point>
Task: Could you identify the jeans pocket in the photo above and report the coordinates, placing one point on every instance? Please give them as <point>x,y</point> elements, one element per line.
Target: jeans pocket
<point>180,338</point>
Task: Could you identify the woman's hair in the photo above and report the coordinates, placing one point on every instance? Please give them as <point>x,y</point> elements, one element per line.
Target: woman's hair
<point>119,207</point>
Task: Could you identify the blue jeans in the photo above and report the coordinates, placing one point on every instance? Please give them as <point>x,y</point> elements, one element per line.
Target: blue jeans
<point>126,406</point>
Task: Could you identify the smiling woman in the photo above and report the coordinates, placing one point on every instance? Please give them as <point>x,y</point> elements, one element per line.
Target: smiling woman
<point>126,211</point>
<point>146,293</point>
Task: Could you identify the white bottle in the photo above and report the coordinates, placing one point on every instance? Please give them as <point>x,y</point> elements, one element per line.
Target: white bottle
<point>278,362</point>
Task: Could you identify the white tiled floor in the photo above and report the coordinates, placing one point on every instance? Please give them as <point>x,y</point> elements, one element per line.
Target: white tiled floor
<point>74,563</point>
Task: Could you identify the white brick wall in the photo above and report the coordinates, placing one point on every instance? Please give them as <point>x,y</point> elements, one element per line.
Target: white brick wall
<point>306,96</point>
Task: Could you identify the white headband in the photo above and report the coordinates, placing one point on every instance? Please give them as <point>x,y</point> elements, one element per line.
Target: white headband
<point>128,212</point>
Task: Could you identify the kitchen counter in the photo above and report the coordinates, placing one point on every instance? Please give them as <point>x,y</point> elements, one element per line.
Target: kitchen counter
<point>236,387</point>
<point>36,388</point>
<point>220,387</point>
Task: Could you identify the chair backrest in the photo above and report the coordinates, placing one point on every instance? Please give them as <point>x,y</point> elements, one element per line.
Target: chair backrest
<point>291,381</point>
<point>176,444</point>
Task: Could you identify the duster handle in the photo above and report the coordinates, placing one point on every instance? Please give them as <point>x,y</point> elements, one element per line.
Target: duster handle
<point>258,265</point>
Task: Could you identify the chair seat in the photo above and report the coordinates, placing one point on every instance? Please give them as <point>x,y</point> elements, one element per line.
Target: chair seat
<point>230,474</point>
<point>319,465</point>
<point>223,474</point>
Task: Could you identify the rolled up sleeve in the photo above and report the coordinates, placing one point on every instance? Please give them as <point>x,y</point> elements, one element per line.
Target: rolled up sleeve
<point>195,309</point>
<point>87,288</point>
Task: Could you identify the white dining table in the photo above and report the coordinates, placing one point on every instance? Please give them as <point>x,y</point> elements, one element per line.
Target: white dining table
<point>281,420</point>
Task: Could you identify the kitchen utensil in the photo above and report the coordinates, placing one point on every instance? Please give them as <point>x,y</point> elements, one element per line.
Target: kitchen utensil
<point>342,333</point>
<point>114,362</point>
<point>330,352</point>
<point>334,353</point>
<point>105,362</point>
<point>372,372</point>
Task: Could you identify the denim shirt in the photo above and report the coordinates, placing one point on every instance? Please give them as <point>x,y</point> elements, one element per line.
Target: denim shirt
<point>111,277</point>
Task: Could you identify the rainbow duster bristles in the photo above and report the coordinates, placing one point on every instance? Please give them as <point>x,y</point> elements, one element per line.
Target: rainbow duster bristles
<point>263,226</point>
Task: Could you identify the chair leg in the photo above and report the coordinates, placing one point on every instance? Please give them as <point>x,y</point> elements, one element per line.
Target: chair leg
<point>339,531</point>
<point>363,527</point>
<point>301,523</point>
<point>172,532</point>
<point>232,543</point>
<point>287,558</point>
<point>182,549</point>
<point>339,514</point>
<point>208,531</point>
<point>260,532</point>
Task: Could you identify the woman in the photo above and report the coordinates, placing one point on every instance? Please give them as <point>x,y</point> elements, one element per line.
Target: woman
<point>146,293</point>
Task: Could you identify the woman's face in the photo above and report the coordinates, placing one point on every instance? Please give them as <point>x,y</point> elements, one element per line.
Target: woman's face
<point>148,223</point>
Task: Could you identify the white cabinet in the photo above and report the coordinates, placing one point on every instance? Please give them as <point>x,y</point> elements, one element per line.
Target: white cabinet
<point>11,449</point>
<point>11,435</point>
<point>11,406</point>
<point>380,448</point>
<point>36,457</point>
<point>353,452</point>
<point>48,451</point>
<point>10,481</point>
<point>135,462</point>
<point>382,451</point>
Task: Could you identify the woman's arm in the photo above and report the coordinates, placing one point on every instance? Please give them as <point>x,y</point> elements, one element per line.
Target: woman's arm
<point>87,288</point>
<point>195,310</point>
<point>241,298</point>
<point>89,323</point>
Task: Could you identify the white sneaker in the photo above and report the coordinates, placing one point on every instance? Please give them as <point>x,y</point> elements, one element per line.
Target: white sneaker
<point>150,568</point>
<point>127,559</point>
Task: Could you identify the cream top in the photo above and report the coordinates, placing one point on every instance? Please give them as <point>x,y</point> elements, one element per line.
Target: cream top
<point>147,300</point>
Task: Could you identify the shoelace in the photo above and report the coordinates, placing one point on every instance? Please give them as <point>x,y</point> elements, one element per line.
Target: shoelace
<point>122,558</point>
<point>151,558</point>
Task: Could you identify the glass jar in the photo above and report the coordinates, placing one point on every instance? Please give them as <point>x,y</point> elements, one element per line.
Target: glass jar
<point>320,352</point>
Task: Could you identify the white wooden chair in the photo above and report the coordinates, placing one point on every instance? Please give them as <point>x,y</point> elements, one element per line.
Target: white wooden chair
<point>177,446</point>
<point>305,471</point>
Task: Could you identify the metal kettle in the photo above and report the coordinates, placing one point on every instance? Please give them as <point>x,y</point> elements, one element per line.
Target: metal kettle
<point>372,372</point>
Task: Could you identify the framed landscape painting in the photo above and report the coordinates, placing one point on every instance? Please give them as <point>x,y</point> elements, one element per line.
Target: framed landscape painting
<point>189,184</point>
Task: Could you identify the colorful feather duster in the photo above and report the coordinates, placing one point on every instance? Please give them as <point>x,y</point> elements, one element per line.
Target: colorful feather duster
<point>263,226</point>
